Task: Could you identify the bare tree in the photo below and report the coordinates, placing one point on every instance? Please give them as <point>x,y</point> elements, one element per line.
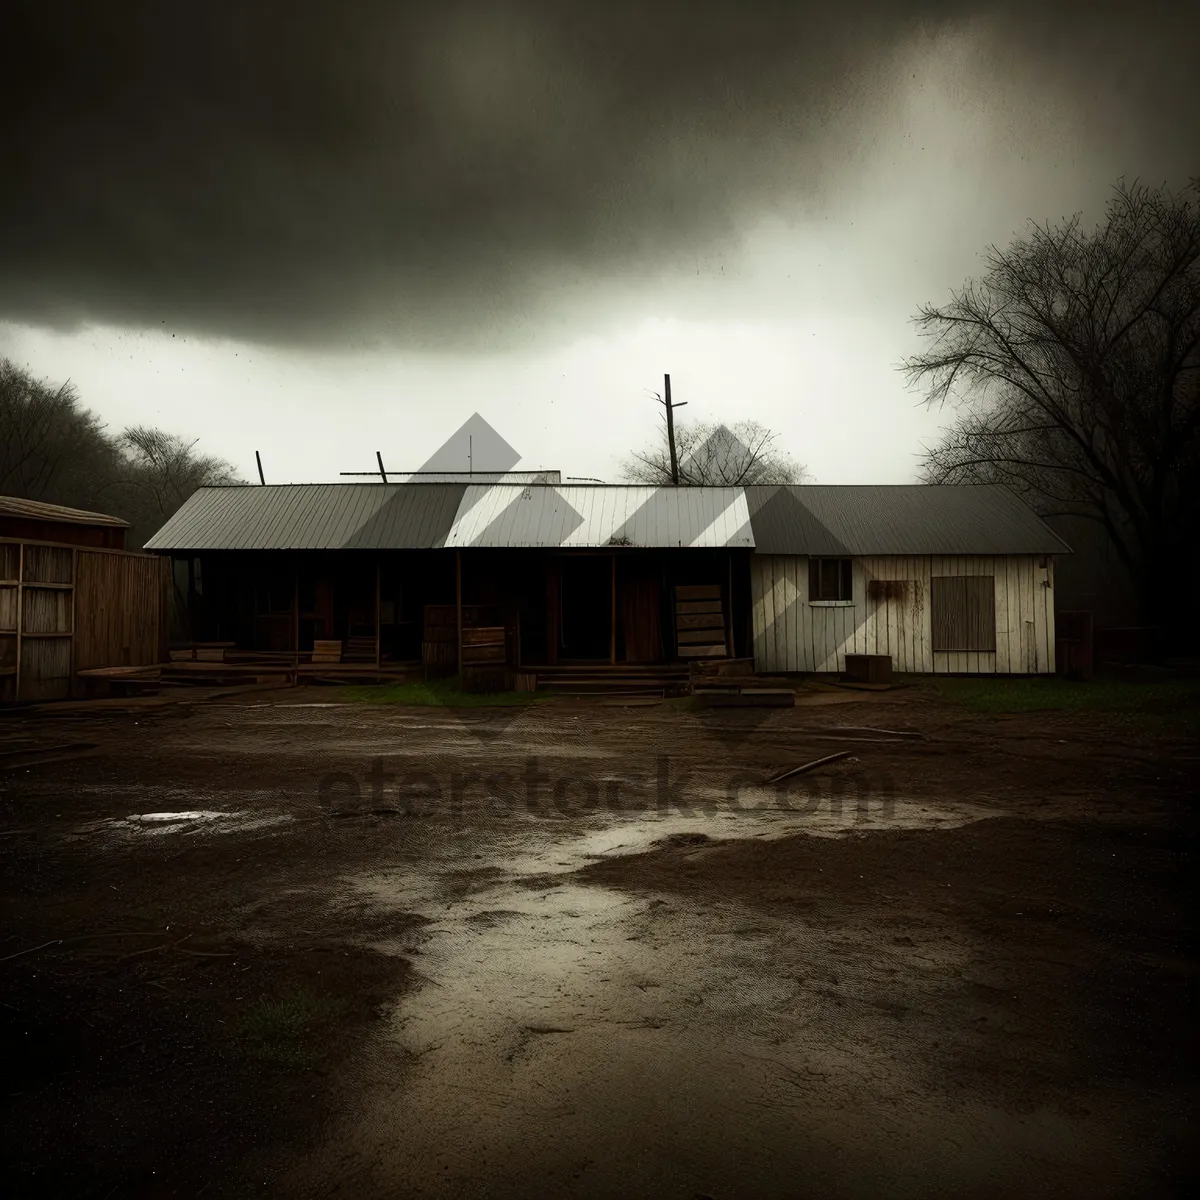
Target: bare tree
<point>167,468</point>
<point>53,449</point>
<point>159,471</point>
<point>716,455</point>
<point>1074,364</point>
<point>50,447</point>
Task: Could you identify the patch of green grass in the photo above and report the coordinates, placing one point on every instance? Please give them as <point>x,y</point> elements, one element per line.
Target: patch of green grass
<point>1034,695</point>
<point>279,1030</point>
<point>436,692</point>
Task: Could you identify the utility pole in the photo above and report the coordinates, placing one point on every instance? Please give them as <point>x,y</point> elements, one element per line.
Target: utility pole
<point>379,460</point>
<point>665,401</point>
<point>258,459</point>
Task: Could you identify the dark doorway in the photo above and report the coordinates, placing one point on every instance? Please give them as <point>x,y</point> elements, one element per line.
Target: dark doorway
<point>639,597</point>
<point>585,615</point>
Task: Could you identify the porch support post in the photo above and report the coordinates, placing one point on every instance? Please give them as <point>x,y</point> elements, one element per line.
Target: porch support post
<point>378,646</point>
<point>295,610</point>
<point>729,649</point>
<point>458,610</point>
<point>612,629</point>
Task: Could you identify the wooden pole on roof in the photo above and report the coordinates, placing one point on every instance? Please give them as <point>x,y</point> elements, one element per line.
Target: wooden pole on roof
<point>665,400</point>
<point>670,428</point>
<point>458,610</point>
<point>257,458</point>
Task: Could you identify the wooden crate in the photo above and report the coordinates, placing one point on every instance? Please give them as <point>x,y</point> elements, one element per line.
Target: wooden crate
<point>868,668</point>
<point>441,620</point>
<point>484,645</point>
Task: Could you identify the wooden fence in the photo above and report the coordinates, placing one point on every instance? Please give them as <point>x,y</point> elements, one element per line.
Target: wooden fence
<point>65,609</point>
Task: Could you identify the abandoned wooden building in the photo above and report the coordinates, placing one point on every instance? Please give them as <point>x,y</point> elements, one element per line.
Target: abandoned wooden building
<point>540,576</point>
<point>72,600</point>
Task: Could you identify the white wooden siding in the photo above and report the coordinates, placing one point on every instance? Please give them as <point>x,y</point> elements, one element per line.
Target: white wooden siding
<point>790,634</point>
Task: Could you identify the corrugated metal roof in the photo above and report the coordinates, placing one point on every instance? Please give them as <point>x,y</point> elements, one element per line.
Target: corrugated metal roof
<point>805,519</point>
<point>313,516</point>
<point>897,519</point>
<point>35,510</point>
<point>584,515</point>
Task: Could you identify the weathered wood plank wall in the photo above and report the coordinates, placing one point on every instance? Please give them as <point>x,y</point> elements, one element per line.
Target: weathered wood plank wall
<point>64,609</point>
<point>790,634</point>
<point>119,607</point>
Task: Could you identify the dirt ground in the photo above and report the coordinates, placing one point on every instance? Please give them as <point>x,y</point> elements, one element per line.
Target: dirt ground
<point>280,945</point>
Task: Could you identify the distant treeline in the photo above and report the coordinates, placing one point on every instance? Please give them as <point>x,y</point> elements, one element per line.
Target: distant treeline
<point>55,450</point>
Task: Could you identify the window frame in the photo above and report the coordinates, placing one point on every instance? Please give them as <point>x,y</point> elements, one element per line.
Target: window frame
<point>845,580</point>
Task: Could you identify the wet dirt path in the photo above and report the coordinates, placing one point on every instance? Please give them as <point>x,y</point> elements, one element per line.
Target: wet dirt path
<point>569,1027</point>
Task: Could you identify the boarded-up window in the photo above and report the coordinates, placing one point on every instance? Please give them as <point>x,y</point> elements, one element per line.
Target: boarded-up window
<point>962,611</point>
<point>830,579</point>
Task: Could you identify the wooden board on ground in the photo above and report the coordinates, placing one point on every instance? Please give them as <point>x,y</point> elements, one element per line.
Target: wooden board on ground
<point>749,698</point>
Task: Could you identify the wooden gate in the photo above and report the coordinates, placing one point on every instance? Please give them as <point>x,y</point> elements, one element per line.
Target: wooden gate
<point>64,609</point>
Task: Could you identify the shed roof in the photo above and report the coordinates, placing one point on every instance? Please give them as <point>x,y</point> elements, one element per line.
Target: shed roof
<point>35,510</point>
<point>587,515</point>
<point>897,519</point>
<point>313,516</point>
<point>805,519</point>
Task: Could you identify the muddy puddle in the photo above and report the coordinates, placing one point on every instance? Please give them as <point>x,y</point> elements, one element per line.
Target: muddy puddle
<point>185,823</point>
<point>568,1039</point>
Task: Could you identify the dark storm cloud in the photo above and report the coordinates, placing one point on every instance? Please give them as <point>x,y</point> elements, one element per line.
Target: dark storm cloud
<point>449,173</point>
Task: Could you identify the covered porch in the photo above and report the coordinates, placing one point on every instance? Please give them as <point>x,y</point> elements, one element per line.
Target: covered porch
<point>445,609</point>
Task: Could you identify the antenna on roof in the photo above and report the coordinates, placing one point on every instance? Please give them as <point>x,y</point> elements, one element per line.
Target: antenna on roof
<point>457,474</point>
<point>258,460</point>
<point>382,472</point>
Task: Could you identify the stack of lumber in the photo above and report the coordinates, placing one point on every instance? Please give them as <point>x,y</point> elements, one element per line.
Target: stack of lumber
<point>439,640</point>
<point>359,649</point>
<point>327,651</point>
<point>700,621</point>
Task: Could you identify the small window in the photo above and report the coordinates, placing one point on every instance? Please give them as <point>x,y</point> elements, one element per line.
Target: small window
<point>962,612</point>
<point>830,579</point>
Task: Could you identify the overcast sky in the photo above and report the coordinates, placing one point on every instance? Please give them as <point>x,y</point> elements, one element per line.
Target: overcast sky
<point>322,230</point>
